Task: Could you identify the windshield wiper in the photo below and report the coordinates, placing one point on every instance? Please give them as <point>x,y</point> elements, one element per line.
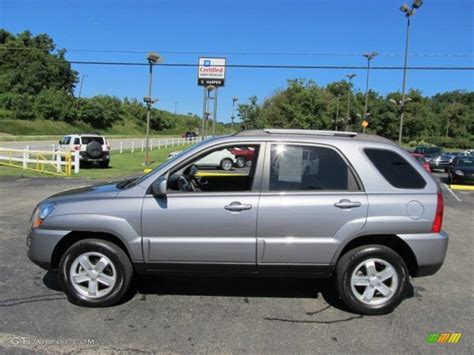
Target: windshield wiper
<point>123,184</point>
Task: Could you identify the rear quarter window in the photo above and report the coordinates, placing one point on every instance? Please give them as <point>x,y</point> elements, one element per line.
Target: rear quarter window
<point>395,169</point>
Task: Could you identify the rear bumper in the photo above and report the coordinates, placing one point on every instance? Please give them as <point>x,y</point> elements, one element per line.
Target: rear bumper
<point>104,157</point>
<point>429,249</point>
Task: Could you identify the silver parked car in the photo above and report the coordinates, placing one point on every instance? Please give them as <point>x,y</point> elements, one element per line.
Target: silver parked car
<point>369,217</point>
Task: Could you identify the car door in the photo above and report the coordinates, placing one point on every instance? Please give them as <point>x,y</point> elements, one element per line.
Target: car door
<point>303,216</point>
<point>211,228</point>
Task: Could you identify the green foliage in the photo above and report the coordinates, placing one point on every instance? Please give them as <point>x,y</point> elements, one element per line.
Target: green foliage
<point>303,104</point>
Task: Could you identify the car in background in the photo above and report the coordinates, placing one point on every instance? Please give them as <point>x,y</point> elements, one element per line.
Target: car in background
<point>441,162</point>
<point>468,152</point>
<point>429,151</point>
<point>189,134</point>
<point>462,169</point>
<point>421,159</point>
<point>243,155</point>
<point>222,159</point>
<point>93,148</point>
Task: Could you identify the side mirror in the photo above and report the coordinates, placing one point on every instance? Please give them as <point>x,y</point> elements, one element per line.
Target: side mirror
<point>159,186</point>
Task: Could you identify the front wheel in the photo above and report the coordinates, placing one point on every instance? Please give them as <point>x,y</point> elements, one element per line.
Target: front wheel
<point>372,279</point>
<point>95,273</point>
<point>226,164</point>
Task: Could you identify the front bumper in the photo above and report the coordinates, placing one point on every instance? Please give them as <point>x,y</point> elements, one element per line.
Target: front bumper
<point>429,249</point>
<point>41,244</point>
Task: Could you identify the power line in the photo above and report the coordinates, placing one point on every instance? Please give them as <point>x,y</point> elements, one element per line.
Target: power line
<point>307,54</point>
<point>279,66</point>
<point>265,66</point>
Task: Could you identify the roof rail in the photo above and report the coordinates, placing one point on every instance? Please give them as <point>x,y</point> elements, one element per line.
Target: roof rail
<point>311,132</point>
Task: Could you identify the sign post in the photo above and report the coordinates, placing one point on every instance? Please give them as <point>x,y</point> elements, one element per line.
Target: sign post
<point>211,75</point>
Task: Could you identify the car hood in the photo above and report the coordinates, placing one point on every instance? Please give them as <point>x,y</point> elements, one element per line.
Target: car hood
<point>88,192</point>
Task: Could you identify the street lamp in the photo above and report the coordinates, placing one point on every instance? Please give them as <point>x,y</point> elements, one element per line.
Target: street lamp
<point>369,57</point>
<point>232,118</point>
<point>409,12</point>
<point>350,77</point>
<point>153,58</point>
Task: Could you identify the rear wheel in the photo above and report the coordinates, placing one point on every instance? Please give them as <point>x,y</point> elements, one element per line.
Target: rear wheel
<point>372,279</point>
<point>240,162</point>
<point>95,273</point>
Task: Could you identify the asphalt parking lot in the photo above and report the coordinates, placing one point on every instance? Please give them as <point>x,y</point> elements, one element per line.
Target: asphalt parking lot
<point>226,315</point>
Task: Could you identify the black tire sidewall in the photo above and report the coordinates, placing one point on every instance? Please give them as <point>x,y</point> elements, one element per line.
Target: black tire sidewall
<point>111,251</point>
<point>353,258</point>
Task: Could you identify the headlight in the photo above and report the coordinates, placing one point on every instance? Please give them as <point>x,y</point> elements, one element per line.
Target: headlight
<point>459,172</point>
<point>41,212</point>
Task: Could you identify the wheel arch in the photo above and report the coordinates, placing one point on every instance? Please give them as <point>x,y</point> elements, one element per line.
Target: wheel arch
<point>391,241</point>
<point>75,236</point>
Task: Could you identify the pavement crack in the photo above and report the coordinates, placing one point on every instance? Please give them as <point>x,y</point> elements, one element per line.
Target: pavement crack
<point>32,299</point>
<point>313,321</point>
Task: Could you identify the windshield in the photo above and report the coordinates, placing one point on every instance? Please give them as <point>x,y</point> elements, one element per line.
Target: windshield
<point>163,164</point>
<point>465,162</point>
<point>433,151</point>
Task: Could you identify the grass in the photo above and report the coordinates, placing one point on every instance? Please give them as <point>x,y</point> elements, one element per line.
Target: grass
<point>121,165</point>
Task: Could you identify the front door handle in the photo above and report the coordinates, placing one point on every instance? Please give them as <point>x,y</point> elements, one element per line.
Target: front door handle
<point>237,207</point>
<point>344,204</point>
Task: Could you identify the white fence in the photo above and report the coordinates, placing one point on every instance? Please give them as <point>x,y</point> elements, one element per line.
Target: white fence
<point>45,161</point>
<point>139,145</point>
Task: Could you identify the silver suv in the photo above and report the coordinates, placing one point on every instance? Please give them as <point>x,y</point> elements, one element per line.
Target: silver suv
<point>367,215</point>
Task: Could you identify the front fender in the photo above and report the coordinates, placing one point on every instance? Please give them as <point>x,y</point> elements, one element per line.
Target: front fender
<point>116,226</point>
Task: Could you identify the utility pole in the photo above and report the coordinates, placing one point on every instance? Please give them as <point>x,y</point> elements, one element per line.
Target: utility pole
<point>409,12</point>
<point>232,118</point>
<point>176,107</point>
<point>152,58</point>
<point>337,110</point>
<point>80,91</point>
<point>350,77</point>
<point>369,57</point>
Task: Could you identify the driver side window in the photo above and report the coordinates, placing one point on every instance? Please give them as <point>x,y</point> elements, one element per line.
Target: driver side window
<point>225,169</point>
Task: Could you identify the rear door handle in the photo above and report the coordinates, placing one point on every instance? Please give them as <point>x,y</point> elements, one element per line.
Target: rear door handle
<point>344,204</point>
<point>237,207</point>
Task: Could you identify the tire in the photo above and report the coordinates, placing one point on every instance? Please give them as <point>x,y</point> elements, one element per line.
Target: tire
<point>240,162</point>
<point>226,164</point>
<point>104,164</point>
<point>118,272</point>
<point>350,271</point>
<point>94,149</point>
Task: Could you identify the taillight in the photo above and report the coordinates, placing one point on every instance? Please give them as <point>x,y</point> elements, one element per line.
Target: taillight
<point>438,220</point>
<point>77,147</point>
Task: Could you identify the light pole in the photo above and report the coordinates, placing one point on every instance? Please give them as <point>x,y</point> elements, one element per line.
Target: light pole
<point>409,12</point>
<point>350,77</point>
<point>80,91</point>
<point>176,107</point>
<point>369,57</point>
<point>153,59</point>
<point>232,118</point>
<point>337,110</point>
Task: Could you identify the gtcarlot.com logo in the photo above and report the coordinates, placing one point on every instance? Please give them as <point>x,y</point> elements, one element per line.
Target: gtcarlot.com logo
<point>443,338</point>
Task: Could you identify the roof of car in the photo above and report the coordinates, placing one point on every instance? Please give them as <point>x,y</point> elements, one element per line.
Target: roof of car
<point>313,133</point>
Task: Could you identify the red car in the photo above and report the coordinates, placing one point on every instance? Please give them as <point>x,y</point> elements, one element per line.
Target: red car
<point>421,159</point>
<point>243,155</point>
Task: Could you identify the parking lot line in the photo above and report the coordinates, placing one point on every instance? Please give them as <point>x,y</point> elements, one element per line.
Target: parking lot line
<point>462,187</point>
<point>452,193</point>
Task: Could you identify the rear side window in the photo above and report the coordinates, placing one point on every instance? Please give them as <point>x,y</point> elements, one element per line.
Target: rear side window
<point>77,141</point>
<point>303,168</point>
<point>395,169</point>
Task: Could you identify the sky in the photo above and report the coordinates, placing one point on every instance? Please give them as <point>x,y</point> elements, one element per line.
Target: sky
<point>321,32</point>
